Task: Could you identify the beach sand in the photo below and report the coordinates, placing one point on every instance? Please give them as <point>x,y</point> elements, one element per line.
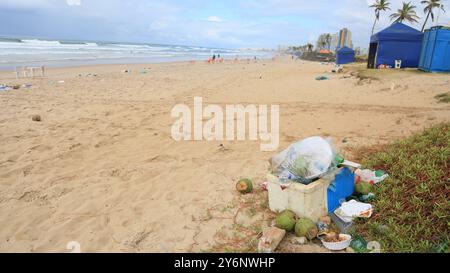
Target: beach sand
<point>102,169</point>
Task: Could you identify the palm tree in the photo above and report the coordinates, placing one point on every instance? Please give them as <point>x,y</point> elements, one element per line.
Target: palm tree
<point>328,40</point>
<point>406,13</point>
<point>322,45</point>
<point>379,5</point>
<point>430,5</point>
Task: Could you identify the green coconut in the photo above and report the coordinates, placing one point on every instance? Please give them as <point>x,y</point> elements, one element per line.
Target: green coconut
<point>363,188</point>
<point>289,213</point>
<point>306,228</point>
<point>284,221</point>
<point>244,186</point>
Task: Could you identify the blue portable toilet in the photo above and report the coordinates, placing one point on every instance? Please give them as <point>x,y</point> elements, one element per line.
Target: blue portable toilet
<point>435,56</point>
<point>397,42</point>
<point>345,55</point>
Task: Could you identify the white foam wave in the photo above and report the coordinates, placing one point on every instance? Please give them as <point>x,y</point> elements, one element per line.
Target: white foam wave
<point>39,50</point>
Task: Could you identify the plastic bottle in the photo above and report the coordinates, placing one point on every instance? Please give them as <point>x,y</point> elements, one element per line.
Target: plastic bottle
<point>359,244</point>
<point>370,176</point>
<point>366,175</point>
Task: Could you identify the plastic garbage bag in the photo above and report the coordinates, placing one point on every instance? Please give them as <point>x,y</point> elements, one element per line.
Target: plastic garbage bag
<point>305,160</point>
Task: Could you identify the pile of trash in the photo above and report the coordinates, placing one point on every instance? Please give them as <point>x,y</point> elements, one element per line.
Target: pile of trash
<point>305,230</point>
<point>304,163</point>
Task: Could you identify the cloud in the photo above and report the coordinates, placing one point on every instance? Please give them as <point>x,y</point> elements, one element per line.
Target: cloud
<point>25,4</point>
<point>224,23</point>
<point>73,2</point>
<point>214,19</point>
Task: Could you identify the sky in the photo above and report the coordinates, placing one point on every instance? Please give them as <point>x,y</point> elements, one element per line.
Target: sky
<point>215,23</point>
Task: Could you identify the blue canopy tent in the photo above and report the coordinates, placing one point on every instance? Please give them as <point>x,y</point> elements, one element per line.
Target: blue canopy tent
<point>345,55</point>
<point>397,42</point>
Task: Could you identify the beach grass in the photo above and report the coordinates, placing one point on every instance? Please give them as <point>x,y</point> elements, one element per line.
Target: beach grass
<point>443,98</point>
<point>412,208</point>
<point>361,71</point>
<point>248,214</point>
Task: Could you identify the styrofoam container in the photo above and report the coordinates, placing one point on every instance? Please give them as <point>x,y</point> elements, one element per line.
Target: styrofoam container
<point>338,245</point>
<point>304,200</point>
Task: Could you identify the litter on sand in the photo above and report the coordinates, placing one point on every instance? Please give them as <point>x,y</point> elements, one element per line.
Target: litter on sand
<point>373,177</point>
<point>144,71</point>
<point>270,240</point>
<point>337,69</point>
<point>334,241</point>
<point>36,118</point>
<point>244,186</point>
<point>4,87</point>
<point>304,161</point>
<point>353,209</point>
<point>322,78</point>
<point>348,163</point>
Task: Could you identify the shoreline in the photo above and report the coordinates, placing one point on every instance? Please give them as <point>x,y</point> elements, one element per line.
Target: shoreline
<point>84,63</point>
<point>4,71</point>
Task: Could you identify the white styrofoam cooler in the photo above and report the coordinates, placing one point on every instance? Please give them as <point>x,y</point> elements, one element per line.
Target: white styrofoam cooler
<point>305,200</point>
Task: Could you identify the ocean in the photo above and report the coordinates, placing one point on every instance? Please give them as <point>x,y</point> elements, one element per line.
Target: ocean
<point>17,52</point>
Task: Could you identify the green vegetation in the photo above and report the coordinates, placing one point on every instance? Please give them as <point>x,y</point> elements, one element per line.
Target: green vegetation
<point>430,5</point>
<point>406,13</point>
<point>412,208</point>
<point>443,98</point>
<point>379,6</point>
<point>246,216</point>
<point>362,73</point>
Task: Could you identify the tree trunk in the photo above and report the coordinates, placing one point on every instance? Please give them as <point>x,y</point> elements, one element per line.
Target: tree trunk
<point>373,27</point>
<point>426,20</point>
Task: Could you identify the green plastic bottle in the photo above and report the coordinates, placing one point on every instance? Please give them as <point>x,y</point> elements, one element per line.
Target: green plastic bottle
<point>339,159</point>
<point>359,244</point>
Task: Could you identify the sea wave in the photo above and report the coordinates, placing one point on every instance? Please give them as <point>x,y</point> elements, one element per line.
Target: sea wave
<point>31,50</point>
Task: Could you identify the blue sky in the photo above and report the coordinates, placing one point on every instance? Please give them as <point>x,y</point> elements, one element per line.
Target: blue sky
<point>217,23</point>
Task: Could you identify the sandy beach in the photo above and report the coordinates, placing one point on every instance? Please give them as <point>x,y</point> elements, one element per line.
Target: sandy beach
<point>102,169</point>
